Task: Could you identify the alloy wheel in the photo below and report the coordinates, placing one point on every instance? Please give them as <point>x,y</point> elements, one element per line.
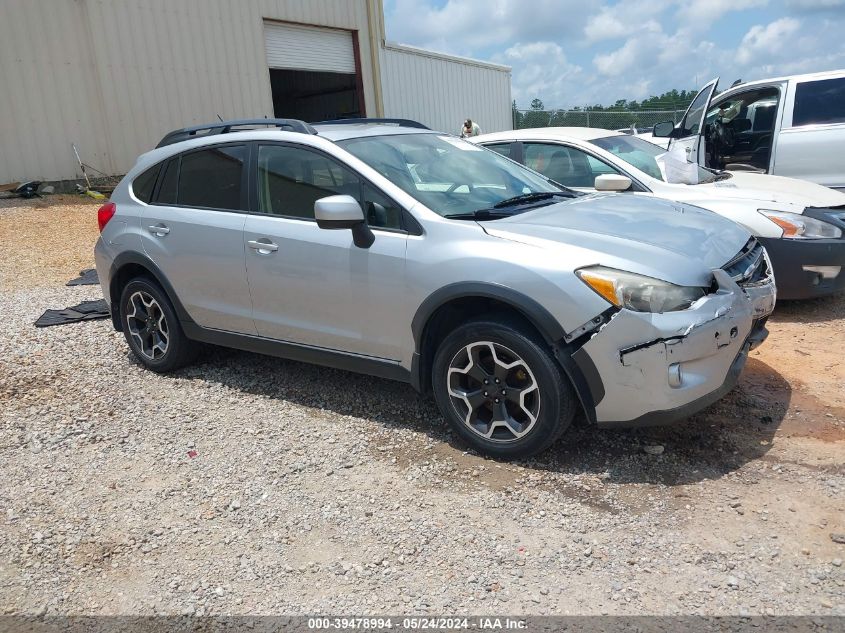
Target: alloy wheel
<point>494,391</point>
<point>147,325</point>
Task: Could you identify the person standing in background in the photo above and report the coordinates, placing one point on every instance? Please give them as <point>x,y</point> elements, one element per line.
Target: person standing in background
<point>470,129</point>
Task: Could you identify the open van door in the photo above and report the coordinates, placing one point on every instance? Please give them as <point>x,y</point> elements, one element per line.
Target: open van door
<point>689,132</point>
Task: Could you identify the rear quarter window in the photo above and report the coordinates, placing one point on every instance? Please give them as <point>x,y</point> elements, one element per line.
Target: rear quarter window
<point>144,184</point>
<point>821,101</point>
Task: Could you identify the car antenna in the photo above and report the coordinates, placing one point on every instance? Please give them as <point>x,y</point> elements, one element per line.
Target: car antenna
<point>736,83</point>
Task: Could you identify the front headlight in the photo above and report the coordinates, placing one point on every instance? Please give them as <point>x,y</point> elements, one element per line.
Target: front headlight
<point>638,292</point>
<point>800,227</point>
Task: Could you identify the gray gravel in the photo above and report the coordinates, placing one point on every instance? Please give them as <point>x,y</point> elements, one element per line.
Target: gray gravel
<point>253,485</point>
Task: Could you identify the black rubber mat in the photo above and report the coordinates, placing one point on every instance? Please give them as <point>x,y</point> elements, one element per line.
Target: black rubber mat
<point>87,277</point>
<point>84,311</point>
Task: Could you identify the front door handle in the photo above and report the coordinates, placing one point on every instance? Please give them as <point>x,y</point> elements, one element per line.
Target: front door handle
<point>159,230</point>
<point>263,246</point>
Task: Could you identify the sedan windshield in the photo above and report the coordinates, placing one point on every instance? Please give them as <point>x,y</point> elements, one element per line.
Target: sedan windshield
<point>641,155</point>
<point>453,177</point>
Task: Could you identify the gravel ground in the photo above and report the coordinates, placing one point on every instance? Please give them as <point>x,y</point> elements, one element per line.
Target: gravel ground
<point>246,484</point>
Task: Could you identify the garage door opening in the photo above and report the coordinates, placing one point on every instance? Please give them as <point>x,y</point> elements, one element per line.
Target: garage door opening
<point>314,72</point>
<point>314,96</point>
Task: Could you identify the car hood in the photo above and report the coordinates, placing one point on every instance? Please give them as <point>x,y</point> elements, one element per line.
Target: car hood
<point>781,193</point>
<point>668,240</point>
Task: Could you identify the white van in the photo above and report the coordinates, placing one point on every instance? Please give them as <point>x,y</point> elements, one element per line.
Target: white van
<point>788,126</point>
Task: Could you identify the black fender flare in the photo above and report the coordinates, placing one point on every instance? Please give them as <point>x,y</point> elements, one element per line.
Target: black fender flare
<point>127,258</point>
<point>536,314</point>
<point>545,323</point>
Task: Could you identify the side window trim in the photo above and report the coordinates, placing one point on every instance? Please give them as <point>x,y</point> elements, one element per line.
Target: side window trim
<point>408,224</point>
<point>160,180</point>
<point>242,204</point>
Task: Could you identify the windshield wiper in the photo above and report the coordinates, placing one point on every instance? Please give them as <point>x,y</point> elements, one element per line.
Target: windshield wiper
<point>531,197</point>
<point>480,214</point>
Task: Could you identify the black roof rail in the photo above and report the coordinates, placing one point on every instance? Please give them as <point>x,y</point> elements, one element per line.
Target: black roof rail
<point>224,127</point>
<point>402,122</point>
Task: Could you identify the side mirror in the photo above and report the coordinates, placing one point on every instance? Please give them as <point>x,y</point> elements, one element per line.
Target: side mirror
<point>344,212</point>
<point>663,129</point>
<point>612,182</point>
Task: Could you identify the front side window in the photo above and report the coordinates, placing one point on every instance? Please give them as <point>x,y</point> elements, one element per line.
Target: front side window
<point>568,166</point>
<point>692,120</point>
<point>212,178</point>
<point>292,179</point>
<point>641,155</point>
<point>821,101</point>
<point>448,175</point>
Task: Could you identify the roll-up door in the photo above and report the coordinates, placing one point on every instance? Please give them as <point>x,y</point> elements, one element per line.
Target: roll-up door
<point>296,47</point>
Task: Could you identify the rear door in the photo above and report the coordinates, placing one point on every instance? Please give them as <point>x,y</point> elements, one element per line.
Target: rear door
<point>193,232</point>
<point>690,131</point>
<point>811,142</point>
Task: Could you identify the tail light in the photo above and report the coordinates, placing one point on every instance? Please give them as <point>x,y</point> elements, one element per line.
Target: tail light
<point>105,213</point>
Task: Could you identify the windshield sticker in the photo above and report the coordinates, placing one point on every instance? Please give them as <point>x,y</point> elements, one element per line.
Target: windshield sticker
<point>464,145</point>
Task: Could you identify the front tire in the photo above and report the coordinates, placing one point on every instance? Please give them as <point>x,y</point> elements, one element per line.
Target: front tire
<point>152,329</point>
<point>501,390</point>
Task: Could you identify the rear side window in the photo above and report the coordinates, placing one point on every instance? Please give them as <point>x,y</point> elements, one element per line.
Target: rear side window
<point>169,182</point>
<point>212,178</point>
<point>502,148</point>
<point>144,184</point>
<point>820,101</point>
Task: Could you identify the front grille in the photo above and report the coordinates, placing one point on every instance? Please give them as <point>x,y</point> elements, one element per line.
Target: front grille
<point>750,266</point>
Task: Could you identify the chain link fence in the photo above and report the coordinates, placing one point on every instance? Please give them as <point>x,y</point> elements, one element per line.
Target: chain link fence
<point>607,119</point>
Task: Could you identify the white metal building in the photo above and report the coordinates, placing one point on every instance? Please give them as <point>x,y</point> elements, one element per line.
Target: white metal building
<point>113,76</point>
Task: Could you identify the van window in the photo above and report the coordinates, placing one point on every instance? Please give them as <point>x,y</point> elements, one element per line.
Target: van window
<point>821,101</point>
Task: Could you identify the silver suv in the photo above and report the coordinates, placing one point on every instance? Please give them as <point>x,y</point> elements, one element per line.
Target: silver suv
<point>396,251</point>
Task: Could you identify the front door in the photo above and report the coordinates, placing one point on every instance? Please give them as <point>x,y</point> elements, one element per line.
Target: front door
<point>690,132</point>
<point>313,286</point>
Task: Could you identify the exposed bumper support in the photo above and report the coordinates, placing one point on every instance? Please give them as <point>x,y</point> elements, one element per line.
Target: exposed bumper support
<point>644,369</point>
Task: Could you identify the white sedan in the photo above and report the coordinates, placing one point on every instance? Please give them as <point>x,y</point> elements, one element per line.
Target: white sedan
<point>800,223</point>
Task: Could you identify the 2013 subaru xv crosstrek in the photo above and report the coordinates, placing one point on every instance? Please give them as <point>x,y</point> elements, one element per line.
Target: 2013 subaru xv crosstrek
<point>400,252</point>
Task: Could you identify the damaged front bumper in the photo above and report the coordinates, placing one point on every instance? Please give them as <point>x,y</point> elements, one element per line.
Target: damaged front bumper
<point>645,369</point>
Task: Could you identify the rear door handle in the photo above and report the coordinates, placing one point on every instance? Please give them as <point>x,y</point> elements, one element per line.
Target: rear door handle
<point>263,246</point>
<point>159,230</point>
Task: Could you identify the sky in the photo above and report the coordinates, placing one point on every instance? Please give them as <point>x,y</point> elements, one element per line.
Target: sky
<point>581,52</point>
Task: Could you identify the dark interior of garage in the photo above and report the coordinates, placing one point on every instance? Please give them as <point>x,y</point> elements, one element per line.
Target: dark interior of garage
<point>314,96</point>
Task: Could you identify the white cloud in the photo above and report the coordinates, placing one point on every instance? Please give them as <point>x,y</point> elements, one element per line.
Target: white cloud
<point>815,5</point>
<point>541,69</point>
<point>700,14</point>
<point>463,26</point>
<point>767,41</point>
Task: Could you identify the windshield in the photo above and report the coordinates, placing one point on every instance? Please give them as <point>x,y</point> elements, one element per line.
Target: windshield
<point>448,175</point>
<point>641,154</point>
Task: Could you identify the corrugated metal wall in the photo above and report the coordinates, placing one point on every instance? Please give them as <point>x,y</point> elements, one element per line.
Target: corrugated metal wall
<point>441,91</point>
<point>113,76</point>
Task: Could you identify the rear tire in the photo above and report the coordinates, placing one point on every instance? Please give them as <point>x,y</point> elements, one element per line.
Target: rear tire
<point>501,389</point>
<point>152,329</point>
